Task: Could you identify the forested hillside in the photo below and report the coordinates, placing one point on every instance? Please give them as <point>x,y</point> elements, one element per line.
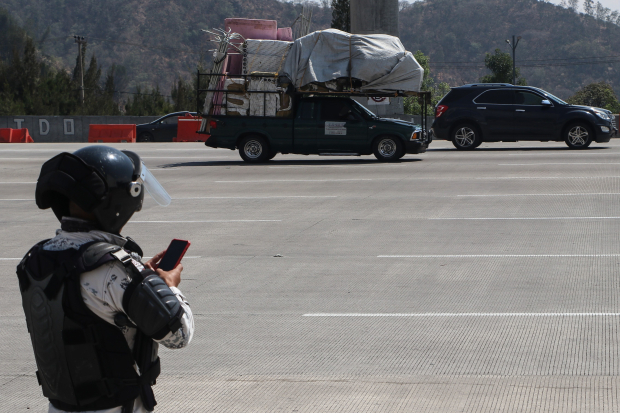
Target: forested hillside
<point>153,42</point>
<point>560,50</point>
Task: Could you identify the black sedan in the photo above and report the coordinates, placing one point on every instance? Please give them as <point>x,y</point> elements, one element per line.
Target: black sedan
<point>163,129</point>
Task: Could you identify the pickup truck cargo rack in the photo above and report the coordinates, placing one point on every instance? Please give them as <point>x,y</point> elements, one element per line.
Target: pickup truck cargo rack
<point>219,95</point>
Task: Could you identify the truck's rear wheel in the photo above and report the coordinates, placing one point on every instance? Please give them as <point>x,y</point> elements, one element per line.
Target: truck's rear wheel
<point>254,149</point>
<point>388,148</point>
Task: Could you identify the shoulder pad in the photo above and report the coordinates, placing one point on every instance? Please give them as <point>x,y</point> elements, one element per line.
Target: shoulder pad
<point>153,307</point>
<point>95,252</point>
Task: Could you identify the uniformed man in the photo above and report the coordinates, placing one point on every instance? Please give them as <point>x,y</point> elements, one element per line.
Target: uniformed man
<point>94,312</point>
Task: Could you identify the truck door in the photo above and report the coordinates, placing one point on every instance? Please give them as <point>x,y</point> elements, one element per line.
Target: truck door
<point>343,129</point>
<point>306,128</point>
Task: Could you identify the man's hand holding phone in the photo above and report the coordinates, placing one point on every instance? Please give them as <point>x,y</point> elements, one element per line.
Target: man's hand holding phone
<point>172,277</point>
<point>167,263</point>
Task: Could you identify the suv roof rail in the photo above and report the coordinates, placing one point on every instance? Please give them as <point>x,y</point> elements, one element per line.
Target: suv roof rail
<point>486,84</point>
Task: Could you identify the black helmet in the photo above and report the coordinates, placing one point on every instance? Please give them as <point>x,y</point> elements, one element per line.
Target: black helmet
<point>99,179</point>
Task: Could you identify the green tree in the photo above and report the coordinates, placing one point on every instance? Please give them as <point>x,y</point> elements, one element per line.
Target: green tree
<point>147,103</point>
<point>600,95</point>
<point>183,96</point>
<point>341,15</point>
<point>588,7</point>
<point>99,99</point>
<point>438,90</point>
<point>500,64</point>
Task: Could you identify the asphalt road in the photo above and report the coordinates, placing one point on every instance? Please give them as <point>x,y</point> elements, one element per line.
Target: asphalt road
<point>482,281</point>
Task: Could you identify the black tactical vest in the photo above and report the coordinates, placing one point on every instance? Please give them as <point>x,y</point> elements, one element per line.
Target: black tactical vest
<point>84,363</point>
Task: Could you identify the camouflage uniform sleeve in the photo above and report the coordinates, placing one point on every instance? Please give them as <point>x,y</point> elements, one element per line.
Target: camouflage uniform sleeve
<point>103,289</point>
<point>184,334</point>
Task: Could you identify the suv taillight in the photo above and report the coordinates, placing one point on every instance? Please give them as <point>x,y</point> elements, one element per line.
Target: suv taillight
<point>439,110</point>
<point>212,124</point>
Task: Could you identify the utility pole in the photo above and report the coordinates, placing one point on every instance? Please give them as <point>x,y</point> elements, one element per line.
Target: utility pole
<point>80,40</point>
<point>513,45</point>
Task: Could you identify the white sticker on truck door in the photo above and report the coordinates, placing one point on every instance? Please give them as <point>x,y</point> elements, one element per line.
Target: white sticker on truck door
<point>335,128</point>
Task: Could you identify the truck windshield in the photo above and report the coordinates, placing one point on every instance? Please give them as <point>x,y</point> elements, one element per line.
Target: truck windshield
<point>363,111</point>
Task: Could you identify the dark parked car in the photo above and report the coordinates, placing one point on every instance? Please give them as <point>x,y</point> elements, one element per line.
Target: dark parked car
<point>471,114</point>
<point>163,129</point>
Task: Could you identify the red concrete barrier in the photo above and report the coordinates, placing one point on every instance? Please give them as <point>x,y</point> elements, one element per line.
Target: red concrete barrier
<point>187,129</point>
<point>8,135</point>
<point>112,133</point>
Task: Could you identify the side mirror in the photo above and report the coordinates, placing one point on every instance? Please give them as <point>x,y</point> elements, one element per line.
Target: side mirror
<point>546,102</point>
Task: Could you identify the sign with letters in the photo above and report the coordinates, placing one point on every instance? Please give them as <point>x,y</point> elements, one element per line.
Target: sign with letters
<point>335,128</point>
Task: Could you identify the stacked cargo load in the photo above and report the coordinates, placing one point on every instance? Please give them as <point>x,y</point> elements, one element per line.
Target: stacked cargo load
<point>335,61</point>
<point>256,95</point>
<point>266,56</point>
<point>328,61</point>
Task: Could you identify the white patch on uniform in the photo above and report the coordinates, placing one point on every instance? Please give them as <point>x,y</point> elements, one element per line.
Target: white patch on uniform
<point>137,264</point>
<point>335,128</point>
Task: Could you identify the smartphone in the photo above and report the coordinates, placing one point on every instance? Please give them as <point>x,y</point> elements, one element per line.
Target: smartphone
<point>173,254</point>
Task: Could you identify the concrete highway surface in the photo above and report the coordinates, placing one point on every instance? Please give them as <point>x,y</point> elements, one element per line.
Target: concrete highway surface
<point>484,281</point>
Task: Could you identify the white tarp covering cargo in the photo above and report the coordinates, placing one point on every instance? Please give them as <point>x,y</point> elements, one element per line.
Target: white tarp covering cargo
<point>264,55</point>
<point>379,60</point>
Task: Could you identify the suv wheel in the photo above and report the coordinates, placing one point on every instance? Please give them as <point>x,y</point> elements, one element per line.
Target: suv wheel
<point>388,148</point>
<point>466,137</point>
<point>254,149</point>
<point>578,136</point>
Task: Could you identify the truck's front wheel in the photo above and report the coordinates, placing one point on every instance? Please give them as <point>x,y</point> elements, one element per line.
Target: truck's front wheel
<point>388,148</point>
<point>254,149</point>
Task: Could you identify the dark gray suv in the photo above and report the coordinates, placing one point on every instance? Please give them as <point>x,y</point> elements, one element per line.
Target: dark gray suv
<point>471,114</point>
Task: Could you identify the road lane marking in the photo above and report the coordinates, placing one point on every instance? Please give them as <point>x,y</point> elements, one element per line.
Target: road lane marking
<point>184,157</point>
<point>461,315</point>
<point>499,256</point>
<point>335,166</point>
<point>543,177</point>
<point>519,218</point>
<point>210,220</point>
<point>260,197</point>
<point>492,195</point>
<point>559,163</point>
<point>306,180</point>
<point>563,152</point>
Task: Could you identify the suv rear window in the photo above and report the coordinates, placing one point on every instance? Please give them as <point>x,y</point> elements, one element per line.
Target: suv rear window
<point>497,97</point>
<point>454,95</point>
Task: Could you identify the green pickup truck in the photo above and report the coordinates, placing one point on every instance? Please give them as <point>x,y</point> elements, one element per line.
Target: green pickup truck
<point>318,125</point>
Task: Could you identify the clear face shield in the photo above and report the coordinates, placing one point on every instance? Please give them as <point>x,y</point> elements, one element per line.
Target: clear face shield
<point>153,187</point>
<point>147,181</point>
